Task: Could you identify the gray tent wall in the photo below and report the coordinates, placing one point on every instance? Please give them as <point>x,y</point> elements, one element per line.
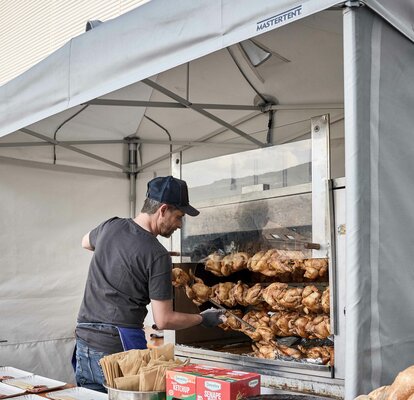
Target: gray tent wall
<point>379,102</point>
<point>377,171</point>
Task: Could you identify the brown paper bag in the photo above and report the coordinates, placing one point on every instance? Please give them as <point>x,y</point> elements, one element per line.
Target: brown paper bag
<point>110,367</point>
<point>154,362</point>
<point>159,384</point>
<point>147,377</point>
<point>132,361</point>
<point>127,383</point>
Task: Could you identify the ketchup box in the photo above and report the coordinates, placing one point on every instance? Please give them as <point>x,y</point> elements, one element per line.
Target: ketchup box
<point>202,382</point>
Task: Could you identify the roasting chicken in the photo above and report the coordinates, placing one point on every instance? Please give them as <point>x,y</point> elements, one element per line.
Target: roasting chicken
<point>311,299</point>
<point>234,262</point>
<point>231,322</point>
<point>180,277</point>
<point>289,352</point>
<point>319,327</point>
<point>273,293</point>
<point>291,299</point>
<point>198,292</point>
<point>260,320</point>
<point>271,350</point>
<point>273,323</point>
<point>299,326</point>
<point>325,301</point>
<point>268,263</point>
<point>213,263</point>
<point>222,293</point>
<point>254,295</point>
<point>297,271</point>
<point>309,326</point>
<point>257,262</point>
<point>315,268</point>
<point>227,265</point>
<point>239,292</point>
<point>285,323</point>
<point>265,349</point>
<point>288,265</point>
<point>325,353</point>
<point>257,318</point>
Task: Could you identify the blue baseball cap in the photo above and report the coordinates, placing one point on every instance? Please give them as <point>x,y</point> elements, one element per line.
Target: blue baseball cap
<point>173,191</point>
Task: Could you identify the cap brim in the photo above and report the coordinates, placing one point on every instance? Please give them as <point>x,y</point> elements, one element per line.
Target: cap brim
<point>191,211</point>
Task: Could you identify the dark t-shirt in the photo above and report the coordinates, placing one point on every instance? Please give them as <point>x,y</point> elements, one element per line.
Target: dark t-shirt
<point>128,269</point>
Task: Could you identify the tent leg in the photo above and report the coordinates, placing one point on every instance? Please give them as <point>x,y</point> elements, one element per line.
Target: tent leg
<point>133,166</point>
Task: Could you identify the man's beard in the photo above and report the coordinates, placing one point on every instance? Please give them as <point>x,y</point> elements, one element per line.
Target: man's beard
<point>166,231</point>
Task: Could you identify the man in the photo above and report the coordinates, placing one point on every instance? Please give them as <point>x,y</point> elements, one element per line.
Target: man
<point>130,269</point>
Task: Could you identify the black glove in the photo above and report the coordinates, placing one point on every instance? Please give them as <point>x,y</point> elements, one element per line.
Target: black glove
<point>211,317</point>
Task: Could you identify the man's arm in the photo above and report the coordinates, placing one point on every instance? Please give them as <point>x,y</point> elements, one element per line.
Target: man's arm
<point>166,318</point>
<point>86,244</point>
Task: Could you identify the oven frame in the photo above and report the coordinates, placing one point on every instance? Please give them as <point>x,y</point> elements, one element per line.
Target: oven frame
<point>328,216</point>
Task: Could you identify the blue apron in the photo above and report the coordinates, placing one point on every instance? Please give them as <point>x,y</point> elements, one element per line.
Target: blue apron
<point>131,338</point>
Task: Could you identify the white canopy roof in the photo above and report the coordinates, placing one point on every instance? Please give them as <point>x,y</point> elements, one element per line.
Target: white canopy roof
<point>147,41</point>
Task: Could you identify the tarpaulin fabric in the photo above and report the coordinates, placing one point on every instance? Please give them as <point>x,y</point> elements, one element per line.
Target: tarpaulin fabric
<point>379,87</point>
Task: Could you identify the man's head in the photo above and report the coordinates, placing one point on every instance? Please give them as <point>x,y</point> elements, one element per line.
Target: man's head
<point>171,191</point>
<point>167,200</point>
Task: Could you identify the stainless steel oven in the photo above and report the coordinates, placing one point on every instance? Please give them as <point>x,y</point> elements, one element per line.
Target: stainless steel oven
<point>274,198</point>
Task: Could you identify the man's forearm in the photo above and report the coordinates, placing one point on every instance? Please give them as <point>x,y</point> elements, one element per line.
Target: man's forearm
<point>176,320</point>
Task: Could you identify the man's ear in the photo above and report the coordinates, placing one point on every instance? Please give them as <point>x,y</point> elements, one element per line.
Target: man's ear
<point>163,209</point>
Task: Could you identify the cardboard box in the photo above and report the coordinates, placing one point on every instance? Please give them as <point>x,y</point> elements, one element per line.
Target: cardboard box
<point>228,385</point>
<point>181,381</point>
<point>202,382</point>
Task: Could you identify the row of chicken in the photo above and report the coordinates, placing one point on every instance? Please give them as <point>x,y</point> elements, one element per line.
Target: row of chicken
<point>261,325</point>
<point>285,265</point>
<point>271,350</point>
<point>267,326</point>
<point>277,296</point>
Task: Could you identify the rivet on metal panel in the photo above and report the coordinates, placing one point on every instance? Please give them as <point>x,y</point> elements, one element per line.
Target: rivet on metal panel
<point>341,229</point>
<point>317,128</point>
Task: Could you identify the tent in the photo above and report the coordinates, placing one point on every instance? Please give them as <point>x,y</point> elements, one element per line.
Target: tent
<point>172,77</point>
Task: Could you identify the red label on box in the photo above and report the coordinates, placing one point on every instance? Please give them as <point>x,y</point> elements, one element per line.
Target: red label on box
<point>180,385</point>
<point>228,386</point>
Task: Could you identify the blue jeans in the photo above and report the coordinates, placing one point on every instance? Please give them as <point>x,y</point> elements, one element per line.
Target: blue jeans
<point>88,370</point>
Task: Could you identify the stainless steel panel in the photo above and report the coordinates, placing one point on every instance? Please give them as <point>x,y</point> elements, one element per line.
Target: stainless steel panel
<point>274,373</point>
<point>340,282</point>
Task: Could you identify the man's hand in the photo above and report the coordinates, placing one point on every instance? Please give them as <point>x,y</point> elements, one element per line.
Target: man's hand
<point>212,317</point>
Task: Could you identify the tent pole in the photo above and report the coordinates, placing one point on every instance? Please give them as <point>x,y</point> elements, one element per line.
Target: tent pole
<point>68,147</point>
<point>183,101</point>
<point>132,174</point>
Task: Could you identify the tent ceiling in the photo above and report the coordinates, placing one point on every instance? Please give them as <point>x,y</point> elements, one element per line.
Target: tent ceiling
<point>305,69</point>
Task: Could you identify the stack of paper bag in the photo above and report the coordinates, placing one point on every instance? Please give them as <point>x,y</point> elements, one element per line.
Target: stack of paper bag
<point>139,370</point>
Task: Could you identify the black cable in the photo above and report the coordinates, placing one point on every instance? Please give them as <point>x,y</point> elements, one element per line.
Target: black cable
<point>269,136</point>
<point>164,129</point>
<point>60,126</point>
